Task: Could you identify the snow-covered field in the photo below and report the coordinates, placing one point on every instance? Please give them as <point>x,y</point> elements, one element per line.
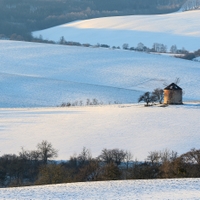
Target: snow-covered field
<point>180,28</point>
<point>36,75</point>
<point>168,189</point>
<point>131,127</point>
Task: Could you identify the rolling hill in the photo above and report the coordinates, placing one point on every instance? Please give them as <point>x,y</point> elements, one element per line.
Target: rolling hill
<point>180,28</point>
<point>37,75</point>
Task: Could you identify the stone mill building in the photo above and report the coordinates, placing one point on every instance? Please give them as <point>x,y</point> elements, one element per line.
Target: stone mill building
<point>173,94</point>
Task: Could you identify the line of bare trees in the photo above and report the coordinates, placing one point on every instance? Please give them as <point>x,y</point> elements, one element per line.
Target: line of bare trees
<point>156,47</point>
<point>88,102</point>
<point>191,5</point>
<point>37,167</point>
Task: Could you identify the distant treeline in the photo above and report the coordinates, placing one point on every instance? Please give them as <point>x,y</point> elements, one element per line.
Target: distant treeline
<point>156,47</point>
<point>22,17</point>
<point>35,167</point>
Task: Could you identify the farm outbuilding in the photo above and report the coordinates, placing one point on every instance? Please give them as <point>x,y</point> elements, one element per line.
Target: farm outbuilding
<point>173,94</point>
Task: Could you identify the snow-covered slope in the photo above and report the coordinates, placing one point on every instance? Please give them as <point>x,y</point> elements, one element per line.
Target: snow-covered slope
<point>130,127</point>
<point>46,75</point>
<point>197,59</point>
<point>181,28</point>
<point>171,189</point>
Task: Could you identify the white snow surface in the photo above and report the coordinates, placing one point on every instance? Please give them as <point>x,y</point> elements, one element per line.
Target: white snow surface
<point>180,28</point>
<point>38,75</point>
<point>133,127</point>
<point>197,59</point>
<point>168,189</point>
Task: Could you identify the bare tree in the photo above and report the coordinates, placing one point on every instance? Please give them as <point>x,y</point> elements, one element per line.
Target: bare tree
<point>147,98</point>
<point>62,40</point>
<point>128,158</point>
<point>161,48</point>
<point>113,156</point>
<point>173,49</point>
<point>140,47</point>
<point>84,156</point>
<point>106,156</point>
<point>154,157</point>
<point>46,151</point>
<point>159,95</point>
<point>118,156</point>
<point>168,156</point>
<point>193,156</point>
<point>161,156</point>
<point>125,46</point>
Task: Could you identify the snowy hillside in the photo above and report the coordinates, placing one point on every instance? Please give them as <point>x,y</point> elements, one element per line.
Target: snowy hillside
<point>130,127</point>
<point>197,59</point>
<point>181,28</point>
<point>33,75</point>
<point>171,189</point>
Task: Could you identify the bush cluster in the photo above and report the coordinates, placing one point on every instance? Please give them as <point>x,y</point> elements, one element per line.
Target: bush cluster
<point>152,97</point>
<point>88,102</point>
